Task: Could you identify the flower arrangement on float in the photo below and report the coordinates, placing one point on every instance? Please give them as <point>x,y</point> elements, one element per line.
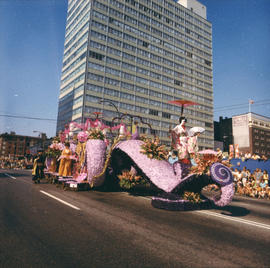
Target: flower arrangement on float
<point>128,180</point>
<point>154,149</point>
<point>204,161</point>
<point>52,154</point>
<point>54,150</point>
<point>192,197</point>
<point>96,134</point>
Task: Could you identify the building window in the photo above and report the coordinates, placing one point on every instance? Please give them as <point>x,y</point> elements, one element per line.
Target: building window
<point>178,83</point>
<point>153,112</point>
<point>166,115</point>
<point>145,44</point>
<point>96,55</point>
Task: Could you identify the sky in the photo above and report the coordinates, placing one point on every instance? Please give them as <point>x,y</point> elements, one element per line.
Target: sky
<point>31,50</point>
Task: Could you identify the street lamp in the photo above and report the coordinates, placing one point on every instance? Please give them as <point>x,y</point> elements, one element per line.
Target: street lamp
<point>111,104</point>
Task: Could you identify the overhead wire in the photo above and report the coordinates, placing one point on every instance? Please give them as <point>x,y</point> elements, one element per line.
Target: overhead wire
<point>218,109</point>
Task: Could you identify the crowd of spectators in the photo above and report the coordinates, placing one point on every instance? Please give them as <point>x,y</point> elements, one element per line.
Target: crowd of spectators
<point>248,155</point>
<point>15,163</point>
<point>253,184</point>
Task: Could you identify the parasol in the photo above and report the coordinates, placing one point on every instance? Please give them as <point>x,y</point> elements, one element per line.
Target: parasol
<point>97,114</point>
<point>195,130</point>
<point>182,103</point>
<point>208,152</point>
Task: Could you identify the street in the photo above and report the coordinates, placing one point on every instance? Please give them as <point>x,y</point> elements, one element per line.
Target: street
<point>42,225</point>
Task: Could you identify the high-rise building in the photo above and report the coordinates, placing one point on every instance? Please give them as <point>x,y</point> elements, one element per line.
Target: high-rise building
<point>136,55</point>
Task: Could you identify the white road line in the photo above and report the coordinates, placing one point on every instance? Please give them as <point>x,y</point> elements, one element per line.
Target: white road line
<point>230,218</point>
<point>10,176</point>
<point>253,223</point>
<point>60,200</point>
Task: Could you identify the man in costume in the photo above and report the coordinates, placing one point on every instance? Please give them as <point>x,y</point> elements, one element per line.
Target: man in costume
<point>38,167</point>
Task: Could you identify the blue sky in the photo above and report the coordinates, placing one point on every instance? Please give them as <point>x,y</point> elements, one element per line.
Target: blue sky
<point>241,58</point>
<point>31,49</point>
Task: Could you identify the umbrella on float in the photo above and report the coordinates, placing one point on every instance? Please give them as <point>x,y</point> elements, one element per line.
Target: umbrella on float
<point>182,103</point>
<point>208,152</point>
<point>97,114</point>
<point>195,130</point>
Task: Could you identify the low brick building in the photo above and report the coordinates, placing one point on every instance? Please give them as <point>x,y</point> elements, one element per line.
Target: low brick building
<point>13,145</point>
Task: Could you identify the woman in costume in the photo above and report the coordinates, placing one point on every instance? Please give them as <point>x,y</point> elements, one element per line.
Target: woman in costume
<point>66,161</point>
<point>181,139</point>
<point>193,147</point>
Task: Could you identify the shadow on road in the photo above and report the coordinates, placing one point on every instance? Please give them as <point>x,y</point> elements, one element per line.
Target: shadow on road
<point>234,211</point>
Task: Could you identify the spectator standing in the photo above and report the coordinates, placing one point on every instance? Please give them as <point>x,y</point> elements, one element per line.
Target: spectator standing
<point>266,177</point>
<point>244,176</point>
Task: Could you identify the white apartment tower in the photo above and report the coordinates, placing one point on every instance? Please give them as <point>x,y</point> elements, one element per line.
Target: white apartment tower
<point>138,55</point>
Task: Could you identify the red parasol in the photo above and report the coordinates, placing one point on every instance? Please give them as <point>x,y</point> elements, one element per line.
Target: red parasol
<point>182,103</point>
<point>97,114</point>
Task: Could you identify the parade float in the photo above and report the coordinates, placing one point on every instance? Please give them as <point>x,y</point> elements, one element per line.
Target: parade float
<point>128,160</point>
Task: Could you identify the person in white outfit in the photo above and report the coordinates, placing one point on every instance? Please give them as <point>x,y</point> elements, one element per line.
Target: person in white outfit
<point>181,139</point>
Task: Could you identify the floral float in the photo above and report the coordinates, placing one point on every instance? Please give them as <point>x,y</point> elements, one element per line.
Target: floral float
<point>131,161</point>
<point>180,190</point>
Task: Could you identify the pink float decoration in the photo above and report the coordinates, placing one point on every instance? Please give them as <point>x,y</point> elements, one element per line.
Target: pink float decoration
<point>161,173</point>
<point>82,136</point>
<point>95,159</point>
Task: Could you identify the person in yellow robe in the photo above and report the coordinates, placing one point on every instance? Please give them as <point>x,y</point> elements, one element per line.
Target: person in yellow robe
<point>66,161</point>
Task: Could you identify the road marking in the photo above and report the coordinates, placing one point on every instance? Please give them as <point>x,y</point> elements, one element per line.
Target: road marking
<point>209,213</point>
<point>253,223</point>
<point>60,200</point>
<point>10,176</point>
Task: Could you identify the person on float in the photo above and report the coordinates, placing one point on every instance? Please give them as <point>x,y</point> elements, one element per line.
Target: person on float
<point>135,133</point>
<point>193,147</point>
<point>65,161</point>
<point>80,149</point>
<point>122,131</point>
<point>173,157</point>
<point>181,139</point>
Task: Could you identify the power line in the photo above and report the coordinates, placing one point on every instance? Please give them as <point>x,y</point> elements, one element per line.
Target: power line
<point>28,117</point>
<point>218,109</point>
<point>235,107</point>
<point>261,102</point>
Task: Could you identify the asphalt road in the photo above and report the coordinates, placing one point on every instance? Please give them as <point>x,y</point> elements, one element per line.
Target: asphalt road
<point>117,229</point>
